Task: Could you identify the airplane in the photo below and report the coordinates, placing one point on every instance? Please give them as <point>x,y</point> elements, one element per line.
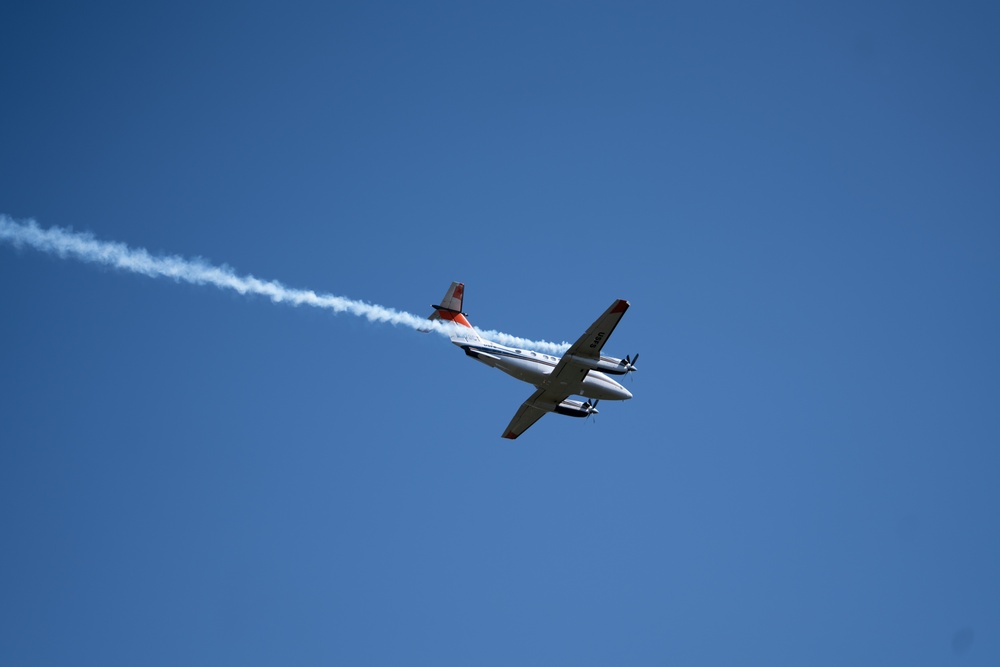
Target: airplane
<point>581,371</point>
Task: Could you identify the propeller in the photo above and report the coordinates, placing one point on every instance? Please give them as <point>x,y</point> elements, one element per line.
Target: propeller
<point>630,363</point>
<point>591,407</point>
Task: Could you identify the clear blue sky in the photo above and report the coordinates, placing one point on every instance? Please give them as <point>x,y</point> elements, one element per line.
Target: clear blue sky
<point>801,204</point>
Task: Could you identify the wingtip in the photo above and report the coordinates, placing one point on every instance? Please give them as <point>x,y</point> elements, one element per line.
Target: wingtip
<point>620,306</point>
<point>510,435</point>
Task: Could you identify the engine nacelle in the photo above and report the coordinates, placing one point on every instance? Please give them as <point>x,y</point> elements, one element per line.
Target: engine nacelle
<point>609,365</point>
<point>572,408</point>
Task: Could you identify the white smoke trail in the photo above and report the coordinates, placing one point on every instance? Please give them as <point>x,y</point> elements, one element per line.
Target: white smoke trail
<point>84,247</point>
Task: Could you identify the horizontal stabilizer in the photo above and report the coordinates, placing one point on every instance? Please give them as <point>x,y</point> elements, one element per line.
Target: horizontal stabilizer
<point>488,359</point>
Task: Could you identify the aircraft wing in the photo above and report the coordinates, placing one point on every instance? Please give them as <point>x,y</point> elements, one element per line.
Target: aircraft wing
<point>590,343</point>
<point>567,377</point>
<point>568,374</point>
<point>532,410</point>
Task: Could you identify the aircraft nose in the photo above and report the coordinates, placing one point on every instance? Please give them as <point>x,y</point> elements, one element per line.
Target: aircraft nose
<point>627,393</point>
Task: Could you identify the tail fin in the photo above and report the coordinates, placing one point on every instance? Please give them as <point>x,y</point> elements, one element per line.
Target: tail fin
<point>453,298</point>
<point>450,308</point>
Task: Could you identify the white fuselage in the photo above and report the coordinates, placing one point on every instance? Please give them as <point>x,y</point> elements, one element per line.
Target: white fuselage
<point>536,368</point>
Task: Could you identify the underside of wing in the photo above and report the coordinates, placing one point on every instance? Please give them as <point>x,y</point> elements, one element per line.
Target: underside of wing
<point>590,344</point>
<point>532,410</point>
<point>567,377</point>
<point>524,419</point>
<point>569,373</point>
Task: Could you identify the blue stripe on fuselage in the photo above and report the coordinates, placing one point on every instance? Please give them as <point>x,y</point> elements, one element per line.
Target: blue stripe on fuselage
<point>513,354</point>
<point>545,360</point>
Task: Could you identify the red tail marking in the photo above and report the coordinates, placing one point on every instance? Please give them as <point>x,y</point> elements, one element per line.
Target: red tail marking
<point>457,318</point>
